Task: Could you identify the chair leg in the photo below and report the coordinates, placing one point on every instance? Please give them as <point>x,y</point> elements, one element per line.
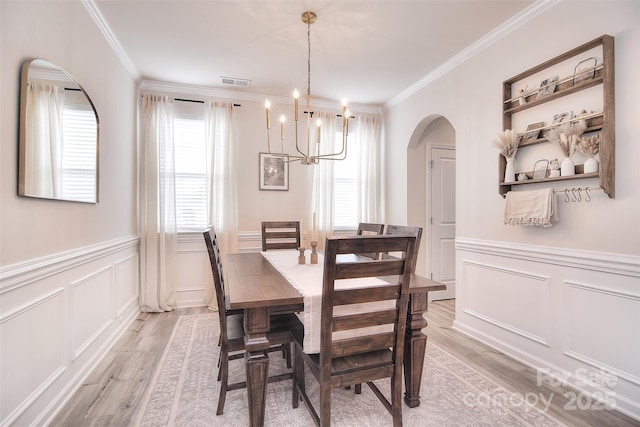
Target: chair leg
<point>396,402</point>
<point>325,405</point>
<point>298,376</point>
<point>286,354</point>
<point>358,388</point>
<point>223,377</point>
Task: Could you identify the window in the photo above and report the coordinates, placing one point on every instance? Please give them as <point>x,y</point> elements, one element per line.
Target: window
<point>346,188</point>
<point>190,168</point>
<point>78,151</point>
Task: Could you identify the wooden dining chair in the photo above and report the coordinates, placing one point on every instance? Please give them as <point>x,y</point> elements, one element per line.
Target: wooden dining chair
<point>368,229</point>
<point>360,357</point>
<point>399,230</point>
<point>283,328</point>
<point>280,235</point>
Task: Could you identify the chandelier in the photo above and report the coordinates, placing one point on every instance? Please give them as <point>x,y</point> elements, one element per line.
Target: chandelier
<point>309,153</point>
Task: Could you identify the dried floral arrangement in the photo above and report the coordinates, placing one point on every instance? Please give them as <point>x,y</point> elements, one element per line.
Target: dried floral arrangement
<point>507,143</point>
<point>589,145</point>
<point>567,136</point>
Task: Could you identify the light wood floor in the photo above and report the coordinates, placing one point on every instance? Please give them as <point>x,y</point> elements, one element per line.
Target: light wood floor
<point>111,395</point>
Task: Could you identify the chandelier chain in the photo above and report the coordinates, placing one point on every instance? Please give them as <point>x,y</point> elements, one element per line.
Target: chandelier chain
<point>308,58</point>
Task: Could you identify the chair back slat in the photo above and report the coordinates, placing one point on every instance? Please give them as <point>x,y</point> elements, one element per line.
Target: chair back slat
<point>357,321</point>
<point>401,230</point>
<point>280,235</point>
<point>385,267</point>
<point>368,294</point>
<point>350,346</point>
<point>367,229</point>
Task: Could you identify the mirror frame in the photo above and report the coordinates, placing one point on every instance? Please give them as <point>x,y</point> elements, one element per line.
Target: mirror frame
<point>24,76</point>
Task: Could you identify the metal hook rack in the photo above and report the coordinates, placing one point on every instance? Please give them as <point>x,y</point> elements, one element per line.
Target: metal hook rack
<point>576,195</point>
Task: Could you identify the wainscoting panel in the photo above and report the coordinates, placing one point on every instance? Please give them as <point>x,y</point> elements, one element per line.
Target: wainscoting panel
<point>194,270</point>
<point>126,283</point>
<point>92,308</point>
<point>33,339</point>
<point>58,317</point>
<point>511,285</point>
<point>614,352</point>
<point>572,314</point>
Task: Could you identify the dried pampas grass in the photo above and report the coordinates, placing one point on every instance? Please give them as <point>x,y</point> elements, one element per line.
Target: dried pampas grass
<point>507,143</point>
<point>567,136</point>
<point>589,145</point>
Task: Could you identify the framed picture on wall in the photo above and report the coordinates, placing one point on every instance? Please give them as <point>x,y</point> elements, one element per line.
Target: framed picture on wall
<point>273,172</point>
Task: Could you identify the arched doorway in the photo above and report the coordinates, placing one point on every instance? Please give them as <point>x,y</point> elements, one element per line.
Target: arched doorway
<point>431,199</point>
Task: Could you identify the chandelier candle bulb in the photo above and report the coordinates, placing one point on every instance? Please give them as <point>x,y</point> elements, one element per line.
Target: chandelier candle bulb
<point>282,120</point>
<point>313,234</point>
<point>266,106</point>
<point>344,111</point>
<point>318,123</point>
<point>296,95</point>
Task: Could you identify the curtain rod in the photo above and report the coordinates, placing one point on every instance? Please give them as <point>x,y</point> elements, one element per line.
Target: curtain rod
<point>200,102</point>
<point>337,115</point>
<point>191,100</point>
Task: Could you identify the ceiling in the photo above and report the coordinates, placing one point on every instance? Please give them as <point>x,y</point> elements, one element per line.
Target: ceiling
<point>366,51</point>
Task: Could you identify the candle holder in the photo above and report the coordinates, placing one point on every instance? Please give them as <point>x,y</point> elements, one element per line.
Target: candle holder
<point>314,253</point>
<point>301,258</point>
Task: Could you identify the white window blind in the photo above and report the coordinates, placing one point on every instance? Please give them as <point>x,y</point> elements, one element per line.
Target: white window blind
<point>191,172</point>
<point>346,188</point>
<point>79,166</point>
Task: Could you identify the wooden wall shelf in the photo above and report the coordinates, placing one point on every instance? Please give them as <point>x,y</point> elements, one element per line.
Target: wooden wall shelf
<point>603,122</point>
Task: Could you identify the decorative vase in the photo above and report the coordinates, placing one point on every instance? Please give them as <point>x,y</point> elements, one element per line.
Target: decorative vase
<point>567,168</point>
<point>591,165</point>
<point>510,170</point>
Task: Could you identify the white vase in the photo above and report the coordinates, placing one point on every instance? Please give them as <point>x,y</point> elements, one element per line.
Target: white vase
<point>591,165</point>
<point>567,168</point>
<point>510,170</point>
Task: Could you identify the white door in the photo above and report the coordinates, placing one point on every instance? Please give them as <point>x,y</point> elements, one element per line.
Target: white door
<point>442,224</point>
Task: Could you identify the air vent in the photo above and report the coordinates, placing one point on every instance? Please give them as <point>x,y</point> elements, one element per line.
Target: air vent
<point>235,82</point>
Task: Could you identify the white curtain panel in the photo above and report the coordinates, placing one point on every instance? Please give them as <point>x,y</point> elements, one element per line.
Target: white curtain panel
<point>365,143</point>
<point>158,246</point>
<point>43,150</point>
<point>323,182</point>
<point>367,137</point>
<point>222,179</point>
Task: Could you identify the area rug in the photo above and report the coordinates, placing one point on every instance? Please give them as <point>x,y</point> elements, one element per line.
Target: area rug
<point>184,391</point>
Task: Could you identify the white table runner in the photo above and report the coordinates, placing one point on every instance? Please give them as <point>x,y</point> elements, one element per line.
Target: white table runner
<point>307,279</point>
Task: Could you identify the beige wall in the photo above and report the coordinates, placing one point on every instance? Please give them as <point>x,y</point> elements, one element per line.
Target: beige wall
<point>63,32</point>
<point>532,292</point>
<point>469,96</point>
<point>68,271</point>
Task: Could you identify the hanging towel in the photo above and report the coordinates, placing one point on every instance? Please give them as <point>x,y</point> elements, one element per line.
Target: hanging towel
<point>537,207</point>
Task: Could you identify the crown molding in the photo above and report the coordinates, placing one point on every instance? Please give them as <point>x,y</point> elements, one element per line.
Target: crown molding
<point>111,39</point>
<point>478,46</point>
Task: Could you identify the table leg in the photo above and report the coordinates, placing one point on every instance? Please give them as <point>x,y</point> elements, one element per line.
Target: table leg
<point>415,345</point>
<point>256,326</point>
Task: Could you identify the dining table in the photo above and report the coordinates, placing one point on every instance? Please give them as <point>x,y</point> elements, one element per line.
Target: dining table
<point>262,284</point>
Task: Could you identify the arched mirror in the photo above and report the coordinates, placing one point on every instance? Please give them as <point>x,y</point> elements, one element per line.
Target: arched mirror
<point>58,135</point>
